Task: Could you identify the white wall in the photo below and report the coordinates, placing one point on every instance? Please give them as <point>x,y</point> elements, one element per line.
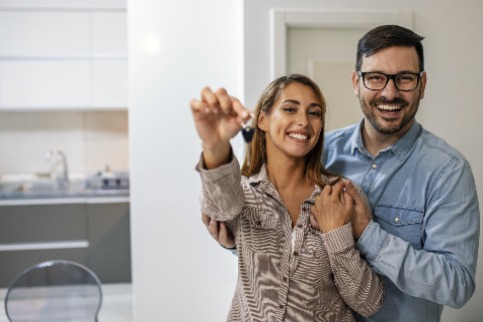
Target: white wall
<point>179,273</point>
<point>176,48</point>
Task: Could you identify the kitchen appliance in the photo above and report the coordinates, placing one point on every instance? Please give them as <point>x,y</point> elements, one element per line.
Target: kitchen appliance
<point>109,180</point>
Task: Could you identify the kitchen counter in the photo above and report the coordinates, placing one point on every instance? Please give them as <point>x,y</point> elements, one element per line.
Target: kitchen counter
<point>47,193</point>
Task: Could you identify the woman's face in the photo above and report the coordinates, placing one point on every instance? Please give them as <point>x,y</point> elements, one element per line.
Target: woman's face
<point>293,126</point>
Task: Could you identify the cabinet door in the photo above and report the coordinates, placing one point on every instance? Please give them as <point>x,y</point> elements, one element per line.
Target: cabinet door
<point>109,33</point>
<point>44,33</point>
<point>46,84</point>
<point>14,262</point>
<point>42,223</point>
<point>33,234</point>
<point>109,83</point>
<point>109,242</point>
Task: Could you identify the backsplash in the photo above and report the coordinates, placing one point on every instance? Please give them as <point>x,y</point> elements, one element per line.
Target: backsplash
<point>90,140</point>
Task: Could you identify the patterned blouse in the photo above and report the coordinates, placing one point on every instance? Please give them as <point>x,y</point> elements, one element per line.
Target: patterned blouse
<point>286,273</point>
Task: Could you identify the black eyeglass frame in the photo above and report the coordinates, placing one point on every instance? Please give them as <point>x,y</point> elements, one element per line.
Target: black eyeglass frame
<point>389,77</point>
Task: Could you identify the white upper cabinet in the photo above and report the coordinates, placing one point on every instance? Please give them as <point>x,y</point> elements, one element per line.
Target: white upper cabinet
<point>49,84</point>
<point>37,33</point>
<point>53,58</point>
<point>109,33</point>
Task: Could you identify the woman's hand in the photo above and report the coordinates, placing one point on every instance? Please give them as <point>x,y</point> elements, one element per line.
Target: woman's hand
<point>333,208</point>
<point>218,117</point>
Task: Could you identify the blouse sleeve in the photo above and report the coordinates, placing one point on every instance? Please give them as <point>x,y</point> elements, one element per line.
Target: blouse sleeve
<point>359,286</point>
<point>222,196</point>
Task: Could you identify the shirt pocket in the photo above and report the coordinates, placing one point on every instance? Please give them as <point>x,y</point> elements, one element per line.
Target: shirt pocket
<point>262,232</point>
<point>406,224</point>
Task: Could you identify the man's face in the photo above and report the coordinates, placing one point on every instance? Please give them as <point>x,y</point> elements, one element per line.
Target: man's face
<point>390,111</point>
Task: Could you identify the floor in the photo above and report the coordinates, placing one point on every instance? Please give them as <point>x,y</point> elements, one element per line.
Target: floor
<point>116,303</point>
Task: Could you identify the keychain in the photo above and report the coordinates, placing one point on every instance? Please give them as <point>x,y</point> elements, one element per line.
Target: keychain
<point>248,130</point>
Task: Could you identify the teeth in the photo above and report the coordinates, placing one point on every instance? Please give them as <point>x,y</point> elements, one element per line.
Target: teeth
<point>298,136</point>
<point>389,107</point>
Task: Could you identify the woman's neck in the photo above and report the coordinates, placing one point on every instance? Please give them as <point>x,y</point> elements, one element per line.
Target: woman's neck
<point>287,175</point>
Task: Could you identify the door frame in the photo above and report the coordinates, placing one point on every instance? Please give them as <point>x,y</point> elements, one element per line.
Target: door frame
<point>282,19</point>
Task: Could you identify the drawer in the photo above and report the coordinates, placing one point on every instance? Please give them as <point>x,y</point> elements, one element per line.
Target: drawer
<point>42,223</point>
<point>14,262</point>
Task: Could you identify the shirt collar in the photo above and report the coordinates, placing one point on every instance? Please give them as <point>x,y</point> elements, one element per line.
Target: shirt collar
<point>400,149</point>
<point>263,180</point>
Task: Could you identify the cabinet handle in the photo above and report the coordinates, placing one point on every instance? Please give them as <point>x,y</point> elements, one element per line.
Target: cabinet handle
<point>64,244</point>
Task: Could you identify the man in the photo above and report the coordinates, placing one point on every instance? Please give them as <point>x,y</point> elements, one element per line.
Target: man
<point>423,234</point>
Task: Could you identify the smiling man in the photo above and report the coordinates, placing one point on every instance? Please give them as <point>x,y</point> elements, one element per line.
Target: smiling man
<point>423,233</point>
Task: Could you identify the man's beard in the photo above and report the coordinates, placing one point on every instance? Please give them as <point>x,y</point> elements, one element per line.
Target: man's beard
<point>407,119</point>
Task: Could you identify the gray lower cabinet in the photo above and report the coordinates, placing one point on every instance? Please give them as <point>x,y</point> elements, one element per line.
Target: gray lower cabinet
<point>109,253</point>
<point>95,235</point>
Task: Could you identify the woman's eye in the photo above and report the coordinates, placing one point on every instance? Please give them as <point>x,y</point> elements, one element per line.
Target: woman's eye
<point>289,109</point>
<point>315,113</point>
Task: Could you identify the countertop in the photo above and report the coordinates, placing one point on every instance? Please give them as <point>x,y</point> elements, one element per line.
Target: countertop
<point>47,193</point>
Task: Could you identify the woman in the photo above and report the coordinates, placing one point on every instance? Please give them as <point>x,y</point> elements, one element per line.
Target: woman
<point>288,271</point>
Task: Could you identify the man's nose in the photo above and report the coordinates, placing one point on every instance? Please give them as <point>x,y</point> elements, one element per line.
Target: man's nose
<point>390,91</point>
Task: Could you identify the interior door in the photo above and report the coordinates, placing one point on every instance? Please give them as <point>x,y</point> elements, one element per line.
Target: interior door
<point>327,55</point>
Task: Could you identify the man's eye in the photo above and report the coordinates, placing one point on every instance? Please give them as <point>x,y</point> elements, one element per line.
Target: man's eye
<point>407,78</point>
<point>375,78</point>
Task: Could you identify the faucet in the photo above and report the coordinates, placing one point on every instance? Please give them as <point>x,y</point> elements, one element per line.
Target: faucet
<point>63,180</point>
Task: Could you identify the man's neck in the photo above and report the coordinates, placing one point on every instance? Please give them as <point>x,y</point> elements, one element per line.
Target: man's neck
<point>375,141</point>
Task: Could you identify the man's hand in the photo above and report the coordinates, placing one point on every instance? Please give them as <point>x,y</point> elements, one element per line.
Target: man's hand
<point>219,232</point>
<point>362,214</point>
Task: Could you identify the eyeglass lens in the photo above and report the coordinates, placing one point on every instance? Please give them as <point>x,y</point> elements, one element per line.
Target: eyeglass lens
<point>403,81</point>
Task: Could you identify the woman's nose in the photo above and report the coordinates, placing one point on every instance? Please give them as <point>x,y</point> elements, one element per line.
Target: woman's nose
<point>302,119</point>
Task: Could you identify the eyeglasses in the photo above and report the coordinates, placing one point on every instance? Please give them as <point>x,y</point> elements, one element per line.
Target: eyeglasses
<point>376,81</point>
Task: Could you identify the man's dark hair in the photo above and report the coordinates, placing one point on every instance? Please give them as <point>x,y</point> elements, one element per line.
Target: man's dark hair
<point>386,36</point>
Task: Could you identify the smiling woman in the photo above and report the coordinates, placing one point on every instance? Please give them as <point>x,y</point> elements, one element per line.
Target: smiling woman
<point>291,219</point>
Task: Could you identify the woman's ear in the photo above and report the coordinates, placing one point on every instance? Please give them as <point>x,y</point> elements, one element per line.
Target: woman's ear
<point>262,122</point>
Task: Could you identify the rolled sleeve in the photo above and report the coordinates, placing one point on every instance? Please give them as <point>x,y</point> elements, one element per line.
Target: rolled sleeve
<point>222,195</point>
<point>338,239</point>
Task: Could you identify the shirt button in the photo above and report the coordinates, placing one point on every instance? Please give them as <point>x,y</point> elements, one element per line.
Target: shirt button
<point>396,219</point>
<point>284,279</point>
<point>374,165</point>
<point>300,225</point>
<point>259,223</point>
<point>281,306</point>
<point>295,253</point>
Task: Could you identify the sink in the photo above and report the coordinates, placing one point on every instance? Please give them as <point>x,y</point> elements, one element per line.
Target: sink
<point>52,189</point>
<point>38,188</point>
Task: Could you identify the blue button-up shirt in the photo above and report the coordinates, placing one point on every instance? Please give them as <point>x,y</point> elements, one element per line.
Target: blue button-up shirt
<point>425,231</point>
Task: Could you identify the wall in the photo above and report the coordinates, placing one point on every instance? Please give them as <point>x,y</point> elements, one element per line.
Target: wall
<point>90,140</point>
<point>179,273</point>
<point>176,48</point>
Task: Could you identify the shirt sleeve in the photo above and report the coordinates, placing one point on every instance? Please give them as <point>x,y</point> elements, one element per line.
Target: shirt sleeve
<point>443,271</point>
<point>359,286</point>
<point>222,195</point>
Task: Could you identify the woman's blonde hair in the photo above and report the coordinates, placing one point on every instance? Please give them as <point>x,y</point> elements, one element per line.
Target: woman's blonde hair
<point>256,154</point>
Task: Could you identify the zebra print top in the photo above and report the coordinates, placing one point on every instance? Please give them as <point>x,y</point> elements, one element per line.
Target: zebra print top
<point>286,274</point>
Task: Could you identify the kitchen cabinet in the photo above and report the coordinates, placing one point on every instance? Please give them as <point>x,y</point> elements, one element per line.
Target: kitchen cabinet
<point>109,253</point>
<point>94,234</point>
<point>63,58</point>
